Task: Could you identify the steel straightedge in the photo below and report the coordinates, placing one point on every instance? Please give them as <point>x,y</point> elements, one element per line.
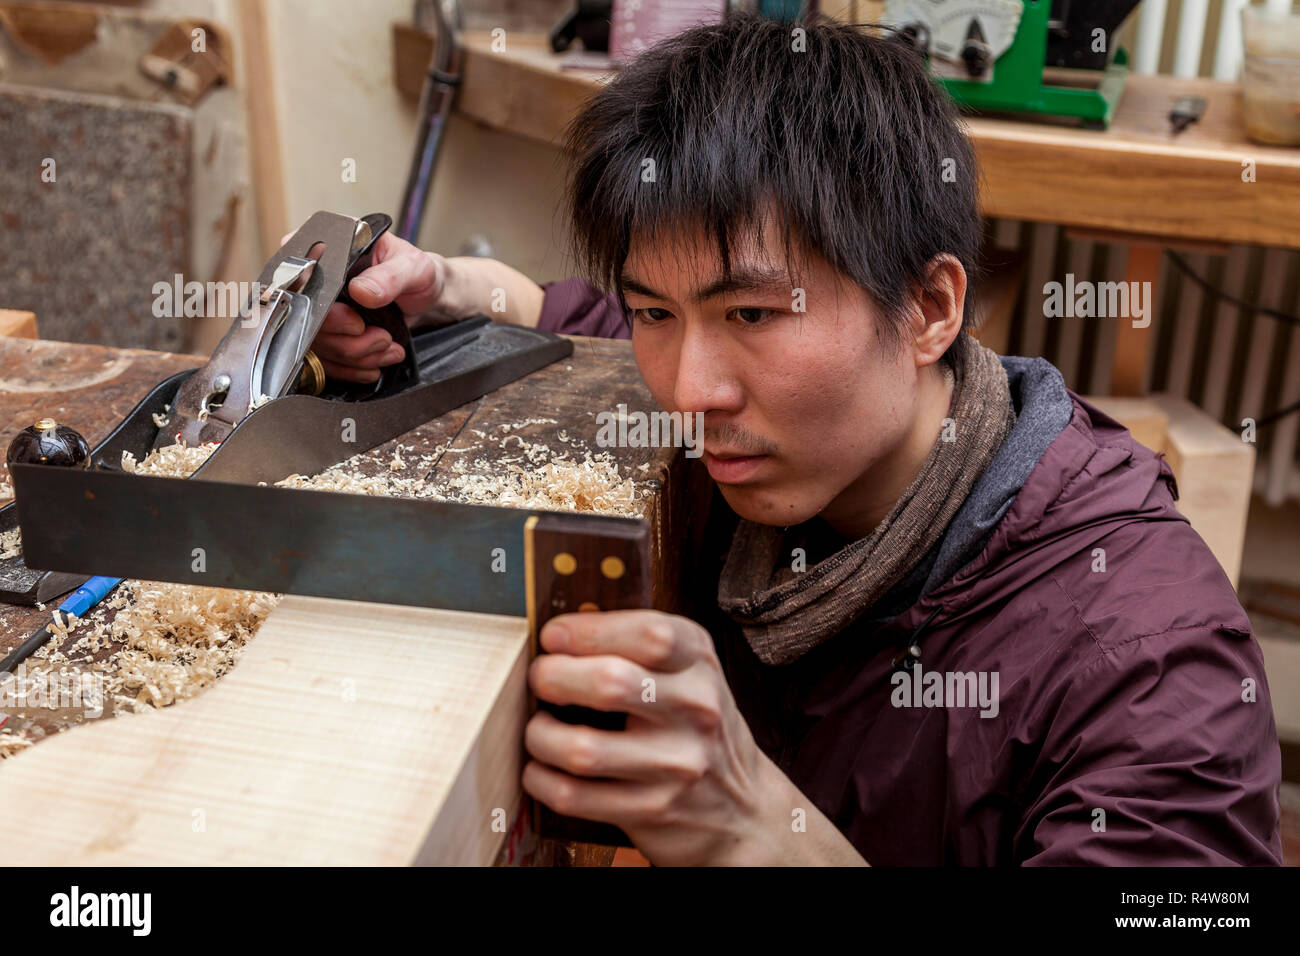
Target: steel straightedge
<point>416,552</point>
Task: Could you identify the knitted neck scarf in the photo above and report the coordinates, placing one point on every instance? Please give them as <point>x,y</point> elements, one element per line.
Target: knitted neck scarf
<point>786,613</point>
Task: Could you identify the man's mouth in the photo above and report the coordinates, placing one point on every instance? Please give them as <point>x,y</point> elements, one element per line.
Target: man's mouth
<point>731,468</point>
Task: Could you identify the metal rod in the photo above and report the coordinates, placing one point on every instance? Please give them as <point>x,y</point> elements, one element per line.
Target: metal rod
<point>435,107</point>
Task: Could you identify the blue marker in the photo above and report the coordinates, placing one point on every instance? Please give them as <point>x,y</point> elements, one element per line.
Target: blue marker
<point>88,595</point>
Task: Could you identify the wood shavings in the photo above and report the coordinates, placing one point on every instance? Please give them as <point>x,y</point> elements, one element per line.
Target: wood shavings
<point>173,461</point>
<point>11,543</point>
<point>161,419</point>
<point>59,626</point>
<point>526,422</point>
<point>12,742</point>
<point>178,639</point>
<point>532,477</point>
<point>592,485</point>
<point>257,402</point>
<point>343,477</point>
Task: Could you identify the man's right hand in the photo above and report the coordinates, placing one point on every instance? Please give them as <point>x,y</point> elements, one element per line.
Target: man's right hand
<point>426,287</point>
<point>416,280</point>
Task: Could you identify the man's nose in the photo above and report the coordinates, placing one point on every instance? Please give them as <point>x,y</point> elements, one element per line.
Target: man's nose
<point>705,380</point>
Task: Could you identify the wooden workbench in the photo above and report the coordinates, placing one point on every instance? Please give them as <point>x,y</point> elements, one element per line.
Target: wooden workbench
<point>368,783</point>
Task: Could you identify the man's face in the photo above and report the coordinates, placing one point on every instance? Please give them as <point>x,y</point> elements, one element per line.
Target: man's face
<point>802,409</point>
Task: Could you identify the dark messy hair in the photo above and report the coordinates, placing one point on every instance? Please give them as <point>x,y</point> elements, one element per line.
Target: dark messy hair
<point>847,142</point>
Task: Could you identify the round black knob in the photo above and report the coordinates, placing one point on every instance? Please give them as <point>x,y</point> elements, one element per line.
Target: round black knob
<point>49,443</point>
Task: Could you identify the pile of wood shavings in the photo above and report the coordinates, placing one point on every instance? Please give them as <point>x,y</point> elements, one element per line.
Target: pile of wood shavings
<point>177,639</point>
<point>348,477</point>
<point>574,480</point>
<point>11,543</point>
<point>12,742</point>
<point>174,461</point>
<point>536,477</point>
<point>591,485</point>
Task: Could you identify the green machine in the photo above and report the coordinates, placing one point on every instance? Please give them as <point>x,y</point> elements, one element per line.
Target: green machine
<point>1050,57</point>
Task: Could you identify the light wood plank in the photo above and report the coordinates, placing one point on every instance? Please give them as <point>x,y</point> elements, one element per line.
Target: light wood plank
<point>1227,317</point>
<point>1214,469</point>
<point>258,81</point>
<point>349,733</point>
<point>998,296</point>
<point>1282,664</point>
<point>17,324</point>
<point>1070,344</point>
<point>1212,465</point>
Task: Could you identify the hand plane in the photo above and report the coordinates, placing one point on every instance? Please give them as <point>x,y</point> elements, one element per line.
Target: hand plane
<point>266,354</point>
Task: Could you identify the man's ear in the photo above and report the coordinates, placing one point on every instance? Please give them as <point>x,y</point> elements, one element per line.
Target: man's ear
<point>942,302</point>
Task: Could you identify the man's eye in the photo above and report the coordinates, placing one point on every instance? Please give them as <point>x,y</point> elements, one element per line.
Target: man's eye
<point>651,315</point>
<point>751,316</point>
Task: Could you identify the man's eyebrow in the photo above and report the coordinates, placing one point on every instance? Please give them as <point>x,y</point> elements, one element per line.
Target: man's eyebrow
<point>744,279</point>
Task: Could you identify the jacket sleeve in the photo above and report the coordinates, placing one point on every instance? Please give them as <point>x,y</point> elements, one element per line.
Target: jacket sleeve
<point>1162,752</point>
<point>576,307</point>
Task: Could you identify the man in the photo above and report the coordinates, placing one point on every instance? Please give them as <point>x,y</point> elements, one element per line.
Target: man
<point>948,612</point>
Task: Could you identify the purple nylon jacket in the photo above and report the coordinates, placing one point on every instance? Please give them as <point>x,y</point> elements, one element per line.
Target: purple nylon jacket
<point>1125,733</point>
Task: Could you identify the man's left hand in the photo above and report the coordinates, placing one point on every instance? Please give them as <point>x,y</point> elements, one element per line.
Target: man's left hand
<point>685,780</point>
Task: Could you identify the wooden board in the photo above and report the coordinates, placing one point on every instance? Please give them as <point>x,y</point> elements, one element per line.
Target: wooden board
<point>1282,664</point>
<point>1214,468</point>
<point>257,71</point>
<point>19,325</point>
<point>350,733</point>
